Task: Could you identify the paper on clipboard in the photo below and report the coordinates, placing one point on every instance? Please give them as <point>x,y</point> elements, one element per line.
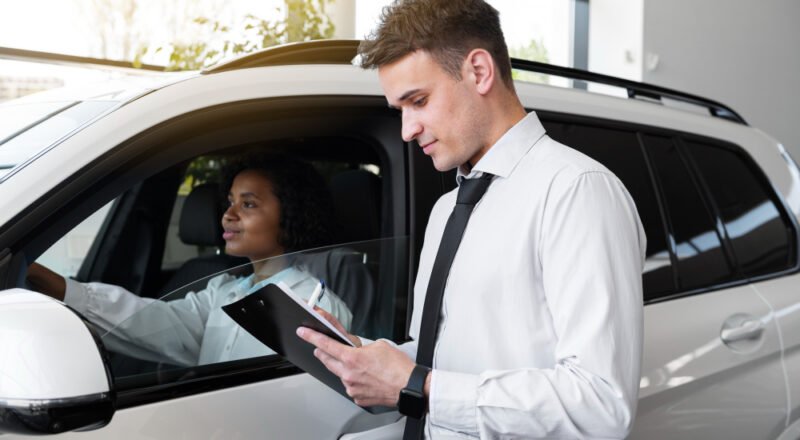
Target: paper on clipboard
<point>290,293</point>
<point>272,315</point>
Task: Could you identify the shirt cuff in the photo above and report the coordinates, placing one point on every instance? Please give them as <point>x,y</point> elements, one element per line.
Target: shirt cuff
<point>453,401</point>
<point>76,296</point>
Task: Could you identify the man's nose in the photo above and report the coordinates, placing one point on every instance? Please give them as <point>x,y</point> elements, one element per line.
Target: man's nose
<point>411,127</point>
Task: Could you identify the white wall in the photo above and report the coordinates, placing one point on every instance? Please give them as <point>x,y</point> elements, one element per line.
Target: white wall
<point>743,53</point>
<point>615,37</point>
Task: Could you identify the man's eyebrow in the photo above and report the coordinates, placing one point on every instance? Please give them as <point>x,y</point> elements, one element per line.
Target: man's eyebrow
<point>405,96</point>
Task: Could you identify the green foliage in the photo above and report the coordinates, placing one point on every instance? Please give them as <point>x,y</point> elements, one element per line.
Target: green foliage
<point>534,51</point>
<point>304,20</point>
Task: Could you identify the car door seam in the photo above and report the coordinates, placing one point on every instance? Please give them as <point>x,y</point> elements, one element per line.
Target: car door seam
<point>783,351</point>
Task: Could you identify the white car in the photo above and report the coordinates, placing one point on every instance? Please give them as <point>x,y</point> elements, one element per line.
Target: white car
<point>94,186</point>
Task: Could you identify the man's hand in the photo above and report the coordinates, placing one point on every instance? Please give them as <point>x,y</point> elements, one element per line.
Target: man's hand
<point>335,322</point>
<point>372,375</point>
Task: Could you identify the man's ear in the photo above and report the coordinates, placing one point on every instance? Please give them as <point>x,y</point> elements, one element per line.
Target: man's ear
<point>480,70</point>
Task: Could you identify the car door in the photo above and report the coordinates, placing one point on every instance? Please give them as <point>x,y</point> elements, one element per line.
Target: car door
<point>247,398</point>
<point>712,359</point>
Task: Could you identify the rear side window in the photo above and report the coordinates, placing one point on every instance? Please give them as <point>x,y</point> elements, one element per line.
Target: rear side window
<point>701,259</point>
<point>620,152</point>
<point>759,235</point>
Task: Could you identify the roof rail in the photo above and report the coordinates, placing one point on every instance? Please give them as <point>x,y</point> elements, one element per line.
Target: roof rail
<point>633,88</point>
<point>306,52</point>
<point>343,52</point>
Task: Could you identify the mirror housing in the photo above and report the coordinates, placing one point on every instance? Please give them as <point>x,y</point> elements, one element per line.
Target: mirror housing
<point>53,375</point>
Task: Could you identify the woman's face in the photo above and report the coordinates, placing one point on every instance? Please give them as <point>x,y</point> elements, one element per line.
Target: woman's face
<point>251,223</point>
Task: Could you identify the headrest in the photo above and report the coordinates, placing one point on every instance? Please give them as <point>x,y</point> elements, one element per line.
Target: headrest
<point>357,197</point>
<point>201,217</point>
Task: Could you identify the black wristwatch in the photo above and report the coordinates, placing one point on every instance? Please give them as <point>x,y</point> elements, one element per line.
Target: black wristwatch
<point>412,401</point>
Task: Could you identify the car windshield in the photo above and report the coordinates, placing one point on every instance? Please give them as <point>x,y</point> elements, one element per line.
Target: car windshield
<point>188,327</point>
<point>30,127</point>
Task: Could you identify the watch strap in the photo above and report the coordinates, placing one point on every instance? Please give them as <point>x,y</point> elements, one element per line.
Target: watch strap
<point>417,379</point>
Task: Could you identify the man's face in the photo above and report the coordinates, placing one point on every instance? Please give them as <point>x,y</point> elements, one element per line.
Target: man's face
<point>441,113</point>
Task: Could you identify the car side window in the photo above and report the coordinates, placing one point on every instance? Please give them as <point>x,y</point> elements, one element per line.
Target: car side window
<point>702,261</point>
<point>620,152</point>
<point>156,339</point>
<point>759,235</point>
<point>66,255</point>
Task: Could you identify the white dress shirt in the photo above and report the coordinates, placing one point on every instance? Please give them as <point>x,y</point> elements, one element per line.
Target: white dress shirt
<point>189,331</point>
<point>541,330</point>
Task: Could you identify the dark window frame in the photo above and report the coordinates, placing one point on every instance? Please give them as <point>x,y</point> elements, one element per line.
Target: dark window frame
<point>678,136</point>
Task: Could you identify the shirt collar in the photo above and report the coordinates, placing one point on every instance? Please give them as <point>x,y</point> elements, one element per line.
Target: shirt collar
<point>506,153</point>
<point>288,275</point>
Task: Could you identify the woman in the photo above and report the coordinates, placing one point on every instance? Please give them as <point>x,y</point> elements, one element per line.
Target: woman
<point>276,205</point>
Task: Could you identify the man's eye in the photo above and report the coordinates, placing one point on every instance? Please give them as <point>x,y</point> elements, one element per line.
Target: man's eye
<point>248,204</point>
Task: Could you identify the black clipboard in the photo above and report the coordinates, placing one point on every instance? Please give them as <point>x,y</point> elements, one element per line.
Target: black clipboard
<point>272,315</point>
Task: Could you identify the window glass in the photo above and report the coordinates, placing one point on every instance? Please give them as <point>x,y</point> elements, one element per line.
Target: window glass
<point>174,327</point>
<point>760,236</point>
<point>16,117</point>
<point>188,328</point>
<point>66,255</point>
<point>620,152</point>
<point>28,143</point>
<point>701,259</point>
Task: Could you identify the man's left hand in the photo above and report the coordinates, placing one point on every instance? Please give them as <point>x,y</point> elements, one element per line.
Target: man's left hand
<point>372,375</point>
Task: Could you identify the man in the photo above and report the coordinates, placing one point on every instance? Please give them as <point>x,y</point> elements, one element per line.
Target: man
<point>538,326</point>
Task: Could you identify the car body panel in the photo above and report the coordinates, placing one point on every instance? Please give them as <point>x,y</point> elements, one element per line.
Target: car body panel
<point>695,386</point>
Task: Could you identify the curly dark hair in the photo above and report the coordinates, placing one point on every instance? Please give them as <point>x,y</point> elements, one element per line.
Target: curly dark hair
<point>307,213</point>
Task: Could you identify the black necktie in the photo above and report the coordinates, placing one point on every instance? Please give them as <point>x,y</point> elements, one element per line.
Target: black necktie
<point>469,193</point>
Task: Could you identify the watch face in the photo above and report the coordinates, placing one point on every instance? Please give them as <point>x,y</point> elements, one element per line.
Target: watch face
<point>411,403</point>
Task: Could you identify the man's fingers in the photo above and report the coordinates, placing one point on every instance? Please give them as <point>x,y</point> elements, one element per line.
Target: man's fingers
<point>322,342</point>
<point>330,362</point>
<point>335,322</point>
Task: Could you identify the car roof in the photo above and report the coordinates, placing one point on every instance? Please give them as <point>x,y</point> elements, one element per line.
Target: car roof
<point>346,51</point>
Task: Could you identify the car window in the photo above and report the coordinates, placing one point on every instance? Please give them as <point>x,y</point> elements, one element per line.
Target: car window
<point>702,261</point>
<point>16,117</point>
<point>66,255</point>
<point>28,143</point>
<point>188,328</point>
<point>168,324</point>
<point>620,152</point>
<point>760,236</point>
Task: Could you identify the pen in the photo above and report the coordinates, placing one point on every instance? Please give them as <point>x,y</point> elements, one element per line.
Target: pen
<point>317,295</point>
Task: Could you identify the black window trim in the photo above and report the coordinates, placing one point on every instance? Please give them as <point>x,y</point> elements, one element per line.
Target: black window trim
<point>774,195</point>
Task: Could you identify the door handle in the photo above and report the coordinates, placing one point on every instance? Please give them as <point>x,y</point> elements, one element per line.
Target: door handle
<point>749,329</point>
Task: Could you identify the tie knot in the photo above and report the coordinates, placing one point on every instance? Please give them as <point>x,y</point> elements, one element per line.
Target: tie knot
<point>471,190</point>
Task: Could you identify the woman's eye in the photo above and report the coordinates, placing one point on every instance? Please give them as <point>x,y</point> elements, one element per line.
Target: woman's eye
<point>248,204</point>
<point>420,102</point>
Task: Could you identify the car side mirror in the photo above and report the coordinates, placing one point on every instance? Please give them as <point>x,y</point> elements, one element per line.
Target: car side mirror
<point>53,377</point>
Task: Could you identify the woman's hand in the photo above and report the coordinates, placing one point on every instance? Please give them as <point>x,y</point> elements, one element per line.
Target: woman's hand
<point>46,281</point>
<point>338,325</point>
